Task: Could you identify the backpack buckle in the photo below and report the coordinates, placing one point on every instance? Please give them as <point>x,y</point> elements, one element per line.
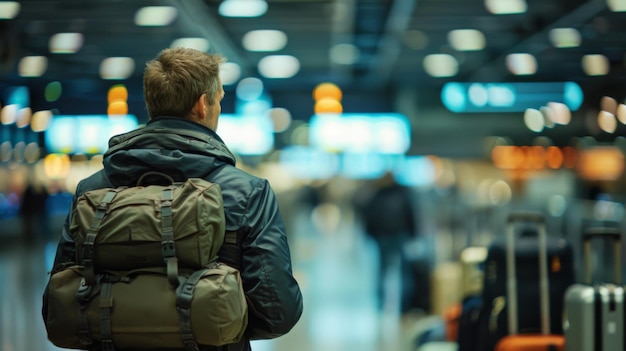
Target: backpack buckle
<point>168,250</point>
<point>82,294</point>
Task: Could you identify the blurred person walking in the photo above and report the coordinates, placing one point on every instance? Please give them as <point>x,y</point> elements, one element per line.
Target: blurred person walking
<point>182,92</point>
<point>389,217</point>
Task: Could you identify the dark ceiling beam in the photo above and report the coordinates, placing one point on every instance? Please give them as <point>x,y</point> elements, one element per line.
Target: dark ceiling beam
<point>342,32</point>
<point>495,70</point>
<point>390,43</point>
<point>199,18</point>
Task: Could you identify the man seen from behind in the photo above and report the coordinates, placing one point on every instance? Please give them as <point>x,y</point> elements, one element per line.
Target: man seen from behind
<point>182,92</point>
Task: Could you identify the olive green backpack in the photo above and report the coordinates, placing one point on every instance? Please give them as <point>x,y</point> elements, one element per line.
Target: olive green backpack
<point>147,274</point>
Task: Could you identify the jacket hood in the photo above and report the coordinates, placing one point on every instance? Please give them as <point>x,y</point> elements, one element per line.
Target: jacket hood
<point>179,148</point>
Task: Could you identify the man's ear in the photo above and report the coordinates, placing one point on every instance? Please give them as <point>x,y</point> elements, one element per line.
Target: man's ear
<point>200,106</point>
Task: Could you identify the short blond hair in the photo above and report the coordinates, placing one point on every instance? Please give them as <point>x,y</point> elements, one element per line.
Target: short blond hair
<point>177,77</point>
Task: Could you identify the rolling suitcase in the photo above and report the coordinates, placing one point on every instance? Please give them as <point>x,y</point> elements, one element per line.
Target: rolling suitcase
<point>486,324</point>
<point>515,341</point>
<point>594,312</point>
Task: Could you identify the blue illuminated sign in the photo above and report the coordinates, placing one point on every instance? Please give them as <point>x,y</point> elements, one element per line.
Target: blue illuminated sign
<point>384,133</point>
<point>509,97</point>
<point>85,134</point>
<point>249,134</point>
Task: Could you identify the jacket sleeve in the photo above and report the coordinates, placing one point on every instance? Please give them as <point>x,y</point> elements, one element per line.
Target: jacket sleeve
<point>274,297</point>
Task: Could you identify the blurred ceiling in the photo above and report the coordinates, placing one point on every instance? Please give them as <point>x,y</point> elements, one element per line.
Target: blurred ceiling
<point>393,37</point>
<point>389,57</point>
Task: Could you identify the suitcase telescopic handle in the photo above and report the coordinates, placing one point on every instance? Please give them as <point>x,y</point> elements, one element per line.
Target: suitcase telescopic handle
<point>526,216</point>
<point>544,288</point>
<point>611,233</point>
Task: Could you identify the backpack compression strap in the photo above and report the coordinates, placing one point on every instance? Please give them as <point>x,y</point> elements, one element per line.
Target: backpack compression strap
<point>168,249</point>
<point>87,252</point>
<point>184,295</point>
<point>89,280</point>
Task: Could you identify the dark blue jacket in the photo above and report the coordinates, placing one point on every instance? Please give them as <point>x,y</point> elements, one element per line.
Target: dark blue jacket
<point>184,149</point>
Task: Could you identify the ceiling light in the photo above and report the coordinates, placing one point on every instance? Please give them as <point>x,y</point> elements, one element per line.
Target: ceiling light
<point>243,8</point>
<point>521,64</point>
<point>249,89</point>
<point>561,113</point>
<point>199,44</point>
<point>608,104</point>
<point>8,114</point>
<point>595,65</point>
<point>117,68</point>
<point>565,37</point>
<point>533,119</point>
<point>506,7</point>
<point>33,66</point>
<point>230,73</point>
<point>155,16</point>
<point>65,43</point>
<point>415,39</point>
<point>264,40</point>
<point>24,116</point>
<point>441,65</point>
<point>466,39</point>
<point>279,66</point>
<point>548,116</point>
<point>9,9</point>
<point>344,54</point>
<point>617,5</point>
<point>40,120</point>
<point>607,121</point>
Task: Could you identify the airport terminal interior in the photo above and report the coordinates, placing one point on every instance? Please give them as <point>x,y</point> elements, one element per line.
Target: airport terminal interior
<point>475,109</point>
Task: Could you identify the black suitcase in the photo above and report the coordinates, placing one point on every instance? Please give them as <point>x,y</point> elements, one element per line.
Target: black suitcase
<point>492,320</point>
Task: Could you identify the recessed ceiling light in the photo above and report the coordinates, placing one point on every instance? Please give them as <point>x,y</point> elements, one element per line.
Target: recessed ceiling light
<point>33,66</point>
<point>155,16</point>
<point>607,121</point>
<point>595,65</point>
<point>565,37</point>
<point>230,73</point>
<point>415,39</point>
<point>117,68</point>
<point>264,40</point>
<point>279,66</point>
<point>617,5</point>
<point>441,65</point>
<point>521,64</point>
<point>199,44</point>
<point>9,9</point>
<point>65,43</point>
<point>506,7</point>
<point>250,89</point>
<point>243,8</point>
<point>344,54</point>
<point>466,39</point>
<point>533,119</point>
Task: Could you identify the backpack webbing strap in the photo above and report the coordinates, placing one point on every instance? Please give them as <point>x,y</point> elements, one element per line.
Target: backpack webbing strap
<point>184,294</point>
<point>168,249</point>
<point>82,295</point>
<point>87,253</point>
<point>106,304</point>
